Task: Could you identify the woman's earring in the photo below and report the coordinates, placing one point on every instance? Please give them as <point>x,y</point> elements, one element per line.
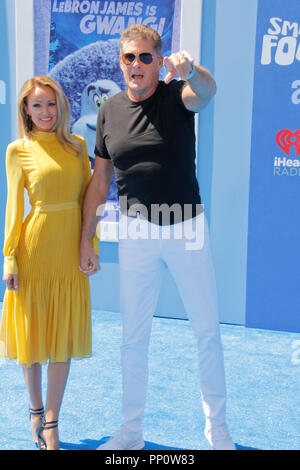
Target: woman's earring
<point>29,123</point>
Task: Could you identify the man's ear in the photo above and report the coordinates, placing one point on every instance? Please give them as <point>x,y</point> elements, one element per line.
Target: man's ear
<point>121,63</point>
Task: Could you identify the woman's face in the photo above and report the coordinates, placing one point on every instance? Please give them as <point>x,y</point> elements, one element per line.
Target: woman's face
<point>42,107</point>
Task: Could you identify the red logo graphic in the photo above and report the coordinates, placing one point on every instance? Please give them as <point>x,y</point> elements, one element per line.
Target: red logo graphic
<point>286,138</point>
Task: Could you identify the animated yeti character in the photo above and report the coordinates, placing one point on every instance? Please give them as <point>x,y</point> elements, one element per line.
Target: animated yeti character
<point>88,77</point>
<point>93,95</point>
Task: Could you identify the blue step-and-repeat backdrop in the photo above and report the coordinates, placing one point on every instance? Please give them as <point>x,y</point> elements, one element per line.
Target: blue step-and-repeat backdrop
<point>273,277</point>
<point>273,263</point>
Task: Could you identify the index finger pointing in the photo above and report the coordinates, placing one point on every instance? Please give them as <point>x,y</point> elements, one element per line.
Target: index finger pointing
<point>171,70</point>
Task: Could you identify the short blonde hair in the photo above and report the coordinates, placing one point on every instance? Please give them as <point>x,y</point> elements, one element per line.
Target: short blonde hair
<point>141,31</point>
<point>62,124</point>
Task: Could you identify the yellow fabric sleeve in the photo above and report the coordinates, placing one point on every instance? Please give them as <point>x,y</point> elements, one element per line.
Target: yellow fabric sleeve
<point>86,178</point>
<point>14,209</point>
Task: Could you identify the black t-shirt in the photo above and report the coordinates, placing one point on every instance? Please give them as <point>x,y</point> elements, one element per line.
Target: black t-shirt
<point>152,146</point>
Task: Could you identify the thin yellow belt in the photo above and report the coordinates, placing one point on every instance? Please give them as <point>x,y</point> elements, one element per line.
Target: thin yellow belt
<point>56,207</point>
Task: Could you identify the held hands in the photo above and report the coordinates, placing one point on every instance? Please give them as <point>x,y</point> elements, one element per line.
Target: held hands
<point>179,64</point>
<point>11,281</point>
<point>89,261</point>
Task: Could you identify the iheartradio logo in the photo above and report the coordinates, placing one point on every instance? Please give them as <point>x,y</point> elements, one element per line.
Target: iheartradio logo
<point>285,139</point>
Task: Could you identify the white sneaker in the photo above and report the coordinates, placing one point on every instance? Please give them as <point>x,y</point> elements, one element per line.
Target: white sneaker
<point>124,440</point>
<point>219,438</point>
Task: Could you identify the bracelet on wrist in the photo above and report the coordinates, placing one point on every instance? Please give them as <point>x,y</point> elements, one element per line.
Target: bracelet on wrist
<point>192,72</point>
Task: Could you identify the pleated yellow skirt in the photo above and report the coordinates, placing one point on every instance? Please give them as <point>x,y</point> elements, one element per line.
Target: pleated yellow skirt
<point>49,316</point>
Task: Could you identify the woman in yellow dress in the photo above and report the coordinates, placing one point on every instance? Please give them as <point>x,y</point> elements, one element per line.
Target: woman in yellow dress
<point>46,308</point>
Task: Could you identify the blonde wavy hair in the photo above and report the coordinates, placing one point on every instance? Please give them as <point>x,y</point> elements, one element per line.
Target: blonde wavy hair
<point>62,124</point>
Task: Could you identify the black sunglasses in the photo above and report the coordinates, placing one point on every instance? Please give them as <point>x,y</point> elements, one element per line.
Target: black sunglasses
<point>144,57</point>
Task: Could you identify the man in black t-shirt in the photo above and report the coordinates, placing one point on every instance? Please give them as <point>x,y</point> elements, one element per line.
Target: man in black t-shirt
<point>146,134</point>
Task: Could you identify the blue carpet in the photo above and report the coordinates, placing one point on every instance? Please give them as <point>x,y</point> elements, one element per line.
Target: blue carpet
<point>262,372</point>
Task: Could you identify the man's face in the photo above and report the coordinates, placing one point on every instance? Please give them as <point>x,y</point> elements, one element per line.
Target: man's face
<point>141,78</point>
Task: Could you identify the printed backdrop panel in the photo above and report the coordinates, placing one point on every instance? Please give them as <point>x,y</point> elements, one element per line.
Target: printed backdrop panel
<point>273,277</point>
<point>84,52</point>
<point>83,57</point>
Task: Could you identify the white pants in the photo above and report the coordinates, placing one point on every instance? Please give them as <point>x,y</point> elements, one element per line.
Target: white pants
<point>142,261</point>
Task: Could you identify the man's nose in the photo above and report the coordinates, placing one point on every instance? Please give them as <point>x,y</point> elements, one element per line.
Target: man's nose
<point>137,61</point>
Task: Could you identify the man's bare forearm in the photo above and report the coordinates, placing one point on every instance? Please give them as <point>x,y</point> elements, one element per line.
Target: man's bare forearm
<point>91,213</point>
<point>95,198</point>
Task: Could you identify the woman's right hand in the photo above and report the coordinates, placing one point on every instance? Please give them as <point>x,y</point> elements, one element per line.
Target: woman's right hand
<point>11,281</point>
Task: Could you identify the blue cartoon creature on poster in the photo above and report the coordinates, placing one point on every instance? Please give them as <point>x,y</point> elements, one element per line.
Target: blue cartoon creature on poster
<point>93,96</point>
<point>88,83</point>
<point>84,54</point>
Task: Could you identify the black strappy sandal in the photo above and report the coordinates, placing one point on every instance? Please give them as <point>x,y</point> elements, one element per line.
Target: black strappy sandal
<point>44,426</point>
<point>36,412</point>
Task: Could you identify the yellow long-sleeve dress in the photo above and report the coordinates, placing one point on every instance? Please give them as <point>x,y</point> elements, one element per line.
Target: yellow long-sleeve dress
<point>49,316</point>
